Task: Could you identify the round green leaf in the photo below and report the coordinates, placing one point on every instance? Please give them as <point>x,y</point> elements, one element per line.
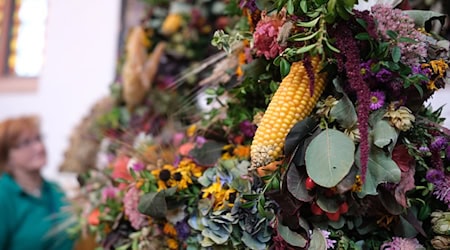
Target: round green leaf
<point>318,241</point>
<point>380,169</point>
<point>329,157</point>
<point>291,237</point>
<point>296,183</point>
<point>384,135</point>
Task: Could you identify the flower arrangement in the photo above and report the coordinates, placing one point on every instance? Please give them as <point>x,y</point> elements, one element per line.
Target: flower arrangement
<point>319,138</point>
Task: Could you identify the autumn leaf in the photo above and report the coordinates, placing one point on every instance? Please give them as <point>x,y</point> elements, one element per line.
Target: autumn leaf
<point>406,183</point>
<point>401,156</point>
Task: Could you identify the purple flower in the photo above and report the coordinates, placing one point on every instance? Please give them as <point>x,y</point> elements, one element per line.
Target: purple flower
<point>424,149</point>
<point>377,99</point>
<point>384,75</point>
<point>434,176</point>
<point>441,184</point>
<point>200,140</point>
<point>438,143</point>
<point>447,152</point>
<point>366,69</point>
<point>442,190</point>
<point>399,243</point>
<point>183,230</point>
<point>349,48</point>
<point>249,4</point>
<point>138,166</point>
<point>326,234</point>
<point>247,128</point>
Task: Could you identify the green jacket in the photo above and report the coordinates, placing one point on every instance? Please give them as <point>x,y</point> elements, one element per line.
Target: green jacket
<point>28,222</point>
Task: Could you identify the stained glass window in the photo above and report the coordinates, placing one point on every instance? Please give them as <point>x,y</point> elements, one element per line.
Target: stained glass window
<point>23,25</point>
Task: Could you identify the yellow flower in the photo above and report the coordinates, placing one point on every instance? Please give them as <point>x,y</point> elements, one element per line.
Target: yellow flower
<point>171,24</point>
<point>220,195</point>
<point>241,61</point>
<point>357,186</point>
<point>169,229</point>
<point>213,189</point>
<point>172,244</point>
<point>163,175</point>
<point>385,221</point>
<point>191,130</point>
<point>438,67</point>
<point>227,149</point>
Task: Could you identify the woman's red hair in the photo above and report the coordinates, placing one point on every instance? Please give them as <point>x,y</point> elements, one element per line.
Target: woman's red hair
<point>10,132</point>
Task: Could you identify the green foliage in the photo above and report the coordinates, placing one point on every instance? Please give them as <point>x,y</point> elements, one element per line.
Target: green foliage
<point>381,168</point>
<point>329,157</point>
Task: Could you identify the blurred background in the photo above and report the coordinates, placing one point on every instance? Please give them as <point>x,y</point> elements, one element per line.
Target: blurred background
<point>58,58</point>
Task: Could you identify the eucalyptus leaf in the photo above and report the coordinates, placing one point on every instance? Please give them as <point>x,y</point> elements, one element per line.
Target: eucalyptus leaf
<point>423,18</point>
<point>384,135</point>
<point>291,237</point>
<point>380,169</point>
<point>329,157</point>
<point>337,224</point>
<point>296,183</point>
<point>389,202</point>
<point>251,242</point>
<point>347,183</point>
<point>207,154</point>
<point>344,112</point>
<point>153,204</point>
<point>329,205</point>
<point>317,241</point>
<point>300,130</point>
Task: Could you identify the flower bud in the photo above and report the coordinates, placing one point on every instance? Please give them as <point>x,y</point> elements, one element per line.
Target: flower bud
<point>441,242</point>
<point>441,222</point>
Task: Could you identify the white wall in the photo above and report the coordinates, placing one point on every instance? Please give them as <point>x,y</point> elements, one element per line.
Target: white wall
<point>80,60</point>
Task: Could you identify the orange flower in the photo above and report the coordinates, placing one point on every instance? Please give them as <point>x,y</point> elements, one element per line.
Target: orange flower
<point>186,148</point>
<point>242,151</point>
<point>94,217</point>
<point>120,170</point>
<point>170,230</point>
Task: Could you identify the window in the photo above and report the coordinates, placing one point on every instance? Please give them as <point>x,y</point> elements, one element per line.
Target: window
<point>22,42</point>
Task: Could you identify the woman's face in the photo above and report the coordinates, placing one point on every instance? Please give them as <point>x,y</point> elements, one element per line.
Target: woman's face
<point>28,154</point>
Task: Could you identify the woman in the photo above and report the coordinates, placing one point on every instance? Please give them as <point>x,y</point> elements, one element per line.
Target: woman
<point>30,207</point>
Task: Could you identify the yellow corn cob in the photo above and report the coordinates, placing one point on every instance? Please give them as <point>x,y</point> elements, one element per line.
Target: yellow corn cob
<point>291,103</point>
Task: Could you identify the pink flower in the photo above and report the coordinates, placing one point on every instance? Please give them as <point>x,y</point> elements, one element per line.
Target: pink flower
<point>131,201</point>
<point>330,243</point>
<point>265,36</point>
<point>109,193</point>
<point>377,100</point>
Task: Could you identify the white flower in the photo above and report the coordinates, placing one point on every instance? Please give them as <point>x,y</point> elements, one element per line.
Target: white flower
<point>142,140</point>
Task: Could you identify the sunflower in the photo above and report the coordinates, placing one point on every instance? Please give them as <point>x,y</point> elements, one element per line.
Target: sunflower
<point>163,175</point>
